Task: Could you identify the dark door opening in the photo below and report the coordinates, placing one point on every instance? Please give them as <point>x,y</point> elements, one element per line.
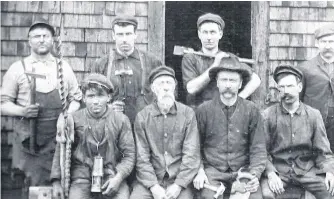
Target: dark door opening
<point>181,29</point>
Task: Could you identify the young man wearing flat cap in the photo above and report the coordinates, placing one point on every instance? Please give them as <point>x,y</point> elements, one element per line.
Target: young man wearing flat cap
<point>232,135</point>
<point>297,145</point>
<point>103,149</point>
<point>318,82</point>
<point>16,101</point>
<point>195,68</point>
<point>167,143</point>
<point>128,68</point>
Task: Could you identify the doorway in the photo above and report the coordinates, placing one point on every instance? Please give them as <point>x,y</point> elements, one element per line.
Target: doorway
<point>181,29</point>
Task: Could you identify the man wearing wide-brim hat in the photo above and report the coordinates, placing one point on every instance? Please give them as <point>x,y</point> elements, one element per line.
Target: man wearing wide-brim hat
<point>318,81</point>
<point>16,101</point>
<point>167,140</point>
<point>232,134</point>
<point>298,148</point>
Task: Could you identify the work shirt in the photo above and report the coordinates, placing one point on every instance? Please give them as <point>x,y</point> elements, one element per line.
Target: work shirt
<point>192,67</point>
<point>16,87</point>
<point>167,145</point>
<point>318,85</point>
<point>116,145</point>
<point>231,141</point>
<point>296,142</point>
<point>133,88</point>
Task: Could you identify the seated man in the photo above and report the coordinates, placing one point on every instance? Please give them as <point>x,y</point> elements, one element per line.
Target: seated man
<point>297,144</point>
<point>232,135</point>
<point>167,143</point>
<point>103,152</point>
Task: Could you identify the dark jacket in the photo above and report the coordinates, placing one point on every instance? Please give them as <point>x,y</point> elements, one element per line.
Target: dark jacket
<point>231,143</point>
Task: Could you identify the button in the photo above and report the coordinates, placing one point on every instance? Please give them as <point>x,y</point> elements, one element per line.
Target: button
<point>165,135</point>
<point>293,135</point>
<point>290,151</point>
<point>166,153</point>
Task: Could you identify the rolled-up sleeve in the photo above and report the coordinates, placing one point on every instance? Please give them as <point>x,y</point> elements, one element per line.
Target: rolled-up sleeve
<point>10,84</point>
<point>190,153</point>
<point>189,70</point>
<point>145,171</point>
<point>126,146</point>
<point>74,92</point>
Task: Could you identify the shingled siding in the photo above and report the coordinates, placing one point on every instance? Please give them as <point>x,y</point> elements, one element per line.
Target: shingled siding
<point>87,34</point>
<point>292,25</point>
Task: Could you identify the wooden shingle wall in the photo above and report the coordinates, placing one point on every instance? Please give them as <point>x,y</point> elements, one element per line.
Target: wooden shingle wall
<point>291,30</point>
<point>87,35</point>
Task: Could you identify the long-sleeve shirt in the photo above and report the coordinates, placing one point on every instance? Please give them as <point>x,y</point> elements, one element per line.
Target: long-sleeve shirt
<point>113,131</point>
<point>296,142</point>
<point>133,88</point>
<point>167,144</point>
<point>231,140</point>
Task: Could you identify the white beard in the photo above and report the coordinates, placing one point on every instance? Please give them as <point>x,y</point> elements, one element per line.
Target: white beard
<point>166,101</point>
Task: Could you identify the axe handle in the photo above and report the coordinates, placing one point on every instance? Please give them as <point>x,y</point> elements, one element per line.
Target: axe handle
<point>243,60</point>
<point>32,122</point>
<point>210,187</point>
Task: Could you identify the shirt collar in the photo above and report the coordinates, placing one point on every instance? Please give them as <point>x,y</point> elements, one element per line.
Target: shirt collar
<point>157,112</point>
<point>298,111</point>
<point>47,58</point>
<point>222,105</point>
<point>105,114</point>
<point>322,61</point>
<point>134,54</point>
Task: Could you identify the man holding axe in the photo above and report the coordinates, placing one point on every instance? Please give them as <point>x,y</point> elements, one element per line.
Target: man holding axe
<point>31,94</point>
<point>195,66</point>
<point>232,137</point>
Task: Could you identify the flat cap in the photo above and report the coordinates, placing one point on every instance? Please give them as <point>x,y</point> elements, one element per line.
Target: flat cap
<point>288,69</point>
<point>231,64</point>
<point>125,19</point>
<point>209,17</point>
<point>99,79</point>
<point>41,22</point>
<point>160,71</point>
<point>324,31</point>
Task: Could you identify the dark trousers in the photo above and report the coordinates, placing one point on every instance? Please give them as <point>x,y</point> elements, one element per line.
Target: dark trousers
<point>81,190</point>
<point>310,181</point>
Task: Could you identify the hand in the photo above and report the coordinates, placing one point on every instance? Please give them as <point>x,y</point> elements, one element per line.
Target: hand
<point>111,186</point>
<point>158,192</point>
<point>57,192</point>
<point>329,181</point>
<point>275,183</point>
<point>200,179</point>
<point>31,110</point>
<point>118,106</point>
<point>252,185</point>
<point>173,191</point>
<point>219,57</point>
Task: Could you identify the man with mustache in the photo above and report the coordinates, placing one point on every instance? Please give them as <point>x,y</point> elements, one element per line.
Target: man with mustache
<point>231,132</point>
<point>103,144</point>
<point>167,143</point>
<point>318,82</point>
<point>297,145</point>
<point>128,68</point>
<point>195,68</point>
<point>16,102</point>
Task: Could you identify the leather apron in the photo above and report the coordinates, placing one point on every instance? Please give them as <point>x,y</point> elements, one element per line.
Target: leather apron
<point>37,166</point>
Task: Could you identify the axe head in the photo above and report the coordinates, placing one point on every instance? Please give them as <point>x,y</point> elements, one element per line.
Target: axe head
<point>220,191</point>
<point>181,50</point>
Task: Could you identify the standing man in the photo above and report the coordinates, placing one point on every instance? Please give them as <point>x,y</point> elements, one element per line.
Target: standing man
<point>16,102</point>
<point>128,68</point>
<point>318,82</point>
<point>298,148</point>
<point>167,142</point>
<point>195,68</point>
<point>103,148</point>
<point>232,134</point>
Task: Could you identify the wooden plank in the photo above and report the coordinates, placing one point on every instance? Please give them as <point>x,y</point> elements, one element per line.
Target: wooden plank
<point>260,44</point>
<point>156,29</point>
<point>128,8</point>
<point>141,8</point>
<point>9,48</point>
<point>279,13</point>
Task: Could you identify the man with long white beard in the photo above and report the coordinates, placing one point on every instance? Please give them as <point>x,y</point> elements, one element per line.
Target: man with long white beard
<point>167,143</point>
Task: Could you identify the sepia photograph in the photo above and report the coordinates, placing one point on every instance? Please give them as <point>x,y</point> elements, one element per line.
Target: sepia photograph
<point>167,99</point>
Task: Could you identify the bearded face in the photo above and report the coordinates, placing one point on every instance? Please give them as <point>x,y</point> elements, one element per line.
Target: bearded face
<point>163,87</point>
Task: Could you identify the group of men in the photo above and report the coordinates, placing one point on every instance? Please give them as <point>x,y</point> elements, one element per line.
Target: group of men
<point>218,141</point>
